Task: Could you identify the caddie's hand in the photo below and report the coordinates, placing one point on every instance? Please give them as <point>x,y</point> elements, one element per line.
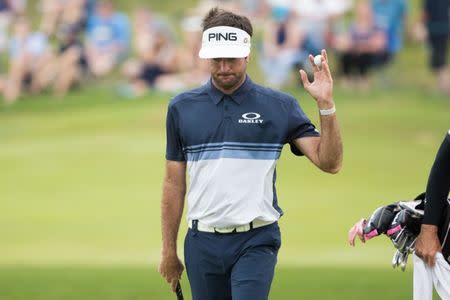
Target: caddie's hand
<point>171,269</point>
<point>321,88</point>
<point>357,231</point>
<point>427,244</point>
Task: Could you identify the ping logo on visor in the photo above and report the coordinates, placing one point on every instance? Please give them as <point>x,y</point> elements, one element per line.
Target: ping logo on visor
<point>228,36</point>
<point>225,42</point>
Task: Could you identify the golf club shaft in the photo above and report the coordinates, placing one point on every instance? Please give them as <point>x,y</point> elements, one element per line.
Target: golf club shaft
<point>179,292</point>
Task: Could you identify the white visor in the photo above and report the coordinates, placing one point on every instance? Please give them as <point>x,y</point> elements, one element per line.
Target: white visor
<point>225,42</point>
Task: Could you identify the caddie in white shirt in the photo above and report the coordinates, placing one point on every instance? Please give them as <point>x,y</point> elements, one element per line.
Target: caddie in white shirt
<point>228,135</point>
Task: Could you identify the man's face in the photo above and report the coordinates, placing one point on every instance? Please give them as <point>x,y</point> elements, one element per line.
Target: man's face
<point>227,73</point>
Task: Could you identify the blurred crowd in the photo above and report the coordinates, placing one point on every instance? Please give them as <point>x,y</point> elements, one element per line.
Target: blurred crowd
<point>363,35</point>
<point>75,41</point>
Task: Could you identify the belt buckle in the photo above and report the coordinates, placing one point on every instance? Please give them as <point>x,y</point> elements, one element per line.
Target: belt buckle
<point>225,230</point>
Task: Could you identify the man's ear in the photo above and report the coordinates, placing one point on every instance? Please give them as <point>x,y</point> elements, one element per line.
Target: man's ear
<point>247,59</point>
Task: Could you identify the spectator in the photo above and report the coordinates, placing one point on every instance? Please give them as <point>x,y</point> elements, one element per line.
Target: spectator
<point>57,12</point>
<point>436,19</point>
<point>153,37</point>
<point>51,11</point>
<point>360,47</point>
<point>107,40</point>
<point>74,13</point>
<point>67,65</point>
<point>317,18</point>
<point>143,31</point>
<point>191,70</point>
<point>70,65</point>
<point>281,49</point>
<point>390,16</point>
<point>29,54</point>
<point>156,53</point>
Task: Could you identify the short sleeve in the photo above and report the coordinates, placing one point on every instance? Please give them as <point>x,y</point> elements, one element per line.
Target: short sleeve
<point>299,126</point>
<point>174,146</point>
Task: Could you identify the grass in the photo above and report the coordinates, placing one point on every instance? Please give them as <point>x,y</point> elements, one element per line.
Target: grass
<point>123,283</point>
<point>80,185</point>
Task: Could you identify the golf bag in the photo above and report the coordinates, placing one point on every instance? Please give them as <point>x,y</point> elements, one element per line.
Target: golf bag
<point>401,222</point>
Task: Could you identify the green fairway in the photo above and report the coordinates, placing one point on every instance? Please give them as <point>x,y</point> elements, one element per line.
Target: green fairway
<point>138,283</point>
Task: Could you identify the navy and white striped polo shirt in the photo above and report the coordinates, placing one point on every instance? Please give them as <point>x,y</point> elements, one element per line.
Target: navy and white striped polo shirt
<point>231,144</point>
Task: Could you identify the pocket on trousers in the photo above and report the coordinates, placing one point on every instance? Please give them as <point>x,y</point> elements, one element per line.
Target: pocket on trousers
<point>276,236</point>
<point>273,237</point>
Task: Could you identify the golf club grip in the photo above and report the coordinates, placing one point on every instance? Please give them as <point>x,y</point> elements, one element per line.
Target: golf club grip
<point>179,292</point>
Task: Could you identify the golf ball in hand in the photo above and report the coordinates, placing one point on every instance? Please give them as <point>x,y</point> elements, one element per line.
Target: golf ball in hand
<point>318,60</point>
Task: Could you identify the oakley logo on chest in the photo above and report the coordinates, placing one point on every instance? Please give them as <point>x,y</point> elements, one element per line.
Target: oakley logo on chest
<point>227,36</point>
<point>251,118</point>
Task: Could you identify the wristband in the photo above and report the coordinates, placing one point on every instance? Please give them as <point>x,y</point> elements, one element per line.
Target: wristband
<point>327,112</point>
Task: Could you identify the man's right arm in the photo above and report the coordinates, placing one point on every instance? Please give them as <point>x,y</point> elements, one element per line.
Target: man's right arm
<point>174,190</point>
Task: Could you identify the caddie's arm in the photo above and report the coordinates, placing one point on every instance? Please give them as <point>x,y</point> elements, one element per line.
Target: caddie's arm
<point>174,190</point>
<point>428,244</point>
<point>438,187</point>
<point>325,151</point>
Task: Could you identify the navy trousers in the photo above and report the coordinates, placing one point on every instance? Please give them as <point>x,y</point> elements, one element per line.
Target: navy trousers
<point>238,266</point>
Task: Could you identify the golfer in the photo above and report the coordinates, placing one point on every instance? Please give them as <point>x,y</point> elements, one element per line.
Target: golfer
<point>228,135</point>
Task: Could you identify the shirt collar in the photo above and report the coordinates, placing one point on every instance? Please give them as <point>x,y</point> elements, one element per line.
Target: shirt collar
<point>238,95</point>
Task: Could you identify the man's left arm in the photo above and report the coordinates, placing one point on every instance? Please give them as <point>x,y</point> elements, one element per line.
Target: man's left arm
<point>326,151</point>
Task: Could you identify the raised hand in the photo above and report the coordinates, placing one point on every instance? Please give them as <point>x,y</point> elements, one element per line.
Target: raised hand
<point>321,89</point>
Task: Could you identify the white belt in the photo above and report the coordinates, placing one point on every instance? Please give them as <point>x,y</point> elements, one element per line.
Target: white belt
<point>231,229</point>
